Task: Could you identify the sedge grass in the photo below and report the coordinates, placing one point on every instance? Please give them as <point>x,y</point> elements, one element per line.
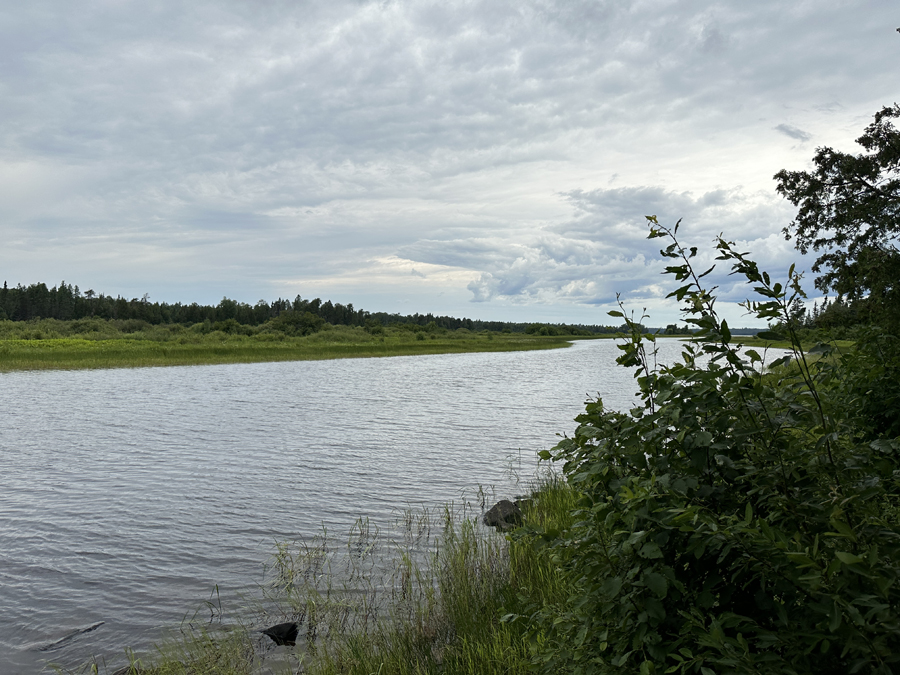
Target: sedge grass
<point>453,599</point>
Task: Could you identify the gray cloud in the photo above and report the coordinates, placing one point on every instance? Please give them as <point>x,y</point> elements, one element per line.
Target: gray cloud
<point>223,147</point>
<point>793,132</point>
<point>605,251</point>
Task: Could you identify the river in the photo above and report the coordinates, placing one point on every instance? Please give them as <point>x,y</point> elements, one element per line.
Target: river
<point>127,496</point>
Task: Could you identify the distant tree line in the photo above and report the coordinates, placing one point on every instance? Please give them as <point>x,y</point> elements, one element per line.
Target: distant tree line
<point>66,302</point>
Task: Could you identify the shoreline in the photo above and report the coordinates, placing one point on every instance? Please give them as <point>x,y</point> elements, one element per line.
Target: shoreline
<point>83,354</point>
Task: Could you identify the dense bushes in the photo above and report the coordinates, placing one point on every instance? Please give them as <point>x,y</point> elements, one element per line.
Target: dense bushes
<point>734,522</point>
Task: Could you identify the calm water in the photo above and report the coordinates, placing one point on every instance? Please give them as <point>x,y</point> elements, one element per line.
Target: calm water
<point>127,495</point>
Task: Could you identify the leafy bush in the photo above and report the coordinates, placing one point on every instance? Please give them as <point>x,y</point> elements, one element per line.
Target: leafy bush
<point>735,521</point>
<point>297,323</point>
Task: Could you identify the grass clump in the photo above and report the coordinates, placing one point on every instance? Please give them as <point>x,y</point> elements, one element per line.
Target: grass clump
<point>453,611</point>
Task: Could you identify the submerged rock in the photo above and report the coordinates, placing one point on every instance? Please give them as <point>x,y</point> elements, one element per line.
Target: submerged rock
<point>283,633</point>
<point>503,515</point>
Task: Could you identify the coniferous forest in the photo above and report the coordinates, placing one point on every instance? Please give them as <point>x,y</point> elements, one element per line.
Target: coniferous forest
<point>67,302</point>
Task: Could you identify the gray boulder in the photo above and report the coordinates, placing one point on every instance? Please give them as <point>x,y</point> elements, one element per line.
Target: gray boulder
<point>503,515</point>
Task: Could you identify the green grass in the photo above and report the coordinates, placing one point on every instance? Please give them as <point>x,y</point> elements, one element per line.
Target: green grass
<point>443,603</point>
<point>188,348</point>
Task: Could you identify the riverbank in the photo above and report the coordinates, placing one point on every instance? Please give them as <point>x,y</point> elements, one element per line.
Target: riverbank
<point>449,603</point>
<point>185,348</point>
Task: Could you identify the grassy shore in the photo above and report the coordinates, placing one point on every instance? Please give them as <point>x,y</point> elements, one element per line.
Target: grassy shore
<point>184,347</point>
<point>441,603</point>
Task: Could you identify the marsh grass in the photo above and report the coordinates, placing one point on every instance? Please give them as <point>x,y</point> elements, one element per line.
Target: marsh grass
<point>440,593</point>
<point>45,348</point>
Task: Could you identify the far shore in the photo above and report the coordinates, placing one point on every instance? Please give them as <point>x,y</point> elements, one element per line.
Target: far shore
<point>44,345</point>
<point>131,352</point>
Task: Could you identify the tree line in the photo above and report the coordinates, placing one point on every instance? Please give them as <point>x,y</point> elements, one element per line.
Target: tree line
<point>66,302</point>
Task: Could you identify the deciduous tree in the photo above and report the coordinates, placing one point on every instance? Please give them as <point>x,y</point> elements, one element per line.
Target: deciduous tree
<point>849,213</point>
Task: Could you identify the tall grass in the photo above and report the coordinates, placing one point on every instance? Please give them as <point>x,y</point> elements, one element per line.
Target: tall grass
<point>218,348</point>
<point>445,601</point>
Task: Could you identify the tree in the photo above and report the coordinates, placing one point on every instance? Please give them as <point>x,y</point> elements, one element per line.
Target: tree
<point>850,212</point>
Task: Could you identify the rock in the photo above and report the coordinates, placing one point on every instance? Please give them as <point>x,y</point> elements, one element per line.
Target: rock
<point>283,633</point>
<point>503,515</point>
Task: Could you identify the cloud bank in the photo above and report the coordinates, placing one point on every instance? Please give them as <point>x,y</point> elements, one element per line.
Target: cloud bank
<point>481,158</point>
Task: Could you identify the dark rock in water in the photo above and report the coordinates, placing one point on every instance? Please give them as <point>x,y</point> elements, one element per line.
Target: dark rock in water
<point>283,633</point>
<point>504,515</point>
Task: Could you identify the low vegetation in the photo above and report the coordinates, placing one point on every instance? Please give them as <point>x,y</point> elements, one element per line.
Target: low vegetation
<point>99,343</point>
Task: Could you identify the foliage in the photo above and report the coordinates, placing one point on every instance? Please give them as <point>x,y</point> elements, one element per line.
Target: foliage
<point>850,210</point>
<point>561,329</point>
<point>297,323</point>
<point>735,521</point>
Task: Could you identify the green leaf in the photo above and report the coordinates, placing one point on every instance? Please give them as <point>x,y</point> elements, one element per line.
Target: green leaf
<point>771,335</point>
<point>544,455</point>
<point>650,550</point>
<point>656,583</point>
<point>843,529</point>
<point>620,659</point>
<point>848,558</point>
<point>754,355</point>
<point>836,617</point>
<point>611,587</point>
<point>783,361</point>
<point>800,559</point>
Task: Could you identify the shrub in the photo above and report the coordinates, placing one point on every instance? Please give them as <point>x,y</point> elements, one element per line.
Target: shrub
<point>297,323</point>
<point>734,521</point>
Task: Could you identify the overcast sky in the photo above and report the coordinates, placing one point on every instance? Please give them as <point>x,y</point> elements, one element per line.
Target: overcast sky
<point>487,159</point>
